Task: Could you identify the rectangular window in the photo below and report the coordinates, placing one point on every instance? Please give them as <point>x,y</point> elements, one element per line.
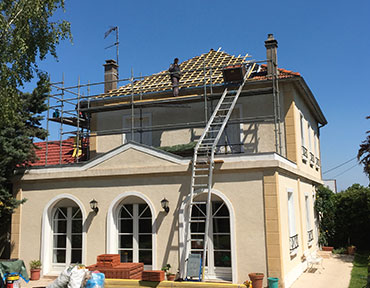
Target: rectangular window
<point>315,144</point>
<point>308,220</point>
<point>302,131</point>
<point>293,236</point>
<point>231,139</point>
<point>137,123</point>
<point>309,137</point>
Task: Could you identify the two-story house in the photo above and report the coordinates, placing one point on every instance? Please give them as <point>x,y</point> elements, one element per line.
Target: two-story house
<point>140,146</point>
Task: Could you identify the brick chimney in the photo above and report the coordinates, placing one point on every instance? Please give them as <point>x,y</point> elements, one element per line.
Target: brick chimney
<point>271,53</point>
<point>110,75</point>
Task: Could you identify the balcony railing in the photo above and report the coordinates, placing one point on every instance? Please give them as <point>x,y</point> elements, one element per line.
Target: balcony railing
<point>293,243</point>
<point>317,163</point>
<point>310,236</point>
<point>304,154</point>
<point>312,159</point>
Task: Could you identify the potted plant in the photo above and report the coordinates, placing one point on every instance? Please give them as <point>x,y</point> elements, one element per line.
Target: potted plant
<point>351,250</point>
<point>257,279</point>
<point>35,267</point>
<point>170,276</point>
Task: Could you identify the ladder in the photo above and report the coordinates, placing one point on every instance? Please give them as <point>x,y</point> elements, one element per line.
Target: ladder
<point>203,161</point>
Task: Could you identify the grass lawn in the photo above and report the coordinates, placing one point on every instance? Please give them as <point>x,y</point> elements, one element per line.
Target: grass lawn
<point>359,271</point>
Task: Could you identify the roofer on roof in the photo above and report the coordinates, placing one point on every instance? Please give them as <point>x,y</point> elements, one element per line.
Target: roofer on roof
<point>175,76</point>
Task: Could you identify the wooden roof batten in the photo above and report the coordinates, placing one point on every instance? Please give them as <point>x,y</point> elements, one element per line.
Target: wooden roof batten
<point>197,72</point>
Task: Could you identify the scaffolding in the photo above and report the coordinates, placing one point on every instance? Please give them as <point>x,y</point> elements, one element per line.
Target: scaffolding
<point>74,105</point>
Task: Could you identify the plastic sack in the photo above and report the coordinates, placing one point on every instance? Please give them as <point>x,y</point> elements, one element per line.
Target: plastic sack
<point>62,280</point>
<point>71,277</point>
<point>76,277</point>
<point>96,280</point>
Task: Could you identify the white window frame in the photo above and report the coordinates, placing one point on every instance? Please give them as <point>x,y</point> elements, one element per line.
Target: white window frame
<point>148,134</point>
<point>213,271</point>
<point>291,218</point>
<point>184,222</point>
<point>135,233</point>
<point>303,136</point>
<point>112,225</point>
<point>47,233</point>
<point>308,217</point>
<point>309,137</point>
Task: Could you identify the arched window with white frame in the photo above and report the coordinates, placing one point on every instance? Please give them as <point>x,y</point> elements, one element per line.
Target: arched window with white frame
<point>219,258</point>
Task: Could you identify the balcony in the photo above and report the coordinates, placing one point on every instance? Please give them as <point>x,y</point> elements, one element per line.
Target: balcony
<point>312,160</point>
<point>293,244</point>
<point>310,237</point>
<point>317,164</point>
<point>304,154</point>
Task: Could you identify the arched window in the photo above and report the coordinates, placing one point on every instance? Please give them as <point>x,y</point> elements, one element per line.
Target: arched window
<point>135,232</point>
<point>67,234</point>
<point>218,262</point>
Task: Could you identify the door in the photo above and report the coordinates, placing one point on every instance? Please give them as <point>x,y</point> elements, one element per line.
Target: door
<point>218,262</point>
<point>135,234</point>
<point>67,237</point>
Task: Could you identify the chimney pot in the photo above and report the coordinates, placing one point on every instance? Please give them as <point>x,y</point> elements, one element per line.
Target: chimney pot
<point>110,75</point>
<point>271,54</point>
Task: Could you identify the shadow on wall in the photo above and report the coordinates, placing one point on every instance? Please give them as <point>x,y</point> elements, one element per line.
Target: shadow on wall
<point>88,221</point>
<point>250,138</point>
<point>174,212</point>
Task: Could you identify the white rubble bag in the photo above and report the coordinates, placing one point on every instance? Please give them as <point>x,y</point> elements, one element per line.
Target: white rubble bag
<point>71,277</point>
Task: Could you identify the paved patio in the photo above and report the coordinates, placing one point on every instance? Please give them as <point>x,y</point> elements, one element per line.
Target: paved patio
<point>337,273</point>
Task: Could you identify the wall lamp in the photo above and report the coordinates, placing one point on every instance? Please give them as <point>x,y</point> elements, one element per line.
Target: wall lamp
<point>94,206</point>
<point>164,204</point>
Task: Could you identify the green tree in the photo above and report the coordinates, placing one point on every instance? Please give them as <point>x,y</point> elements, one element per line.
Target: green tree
<point>364,153</point>
<point>352,217</point>
<point>325,209</point>
<point>27,35</point>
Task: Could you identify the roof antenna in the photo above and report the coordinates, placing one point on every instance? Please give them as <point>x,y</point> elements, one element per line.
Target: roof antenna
<point>106,34</point>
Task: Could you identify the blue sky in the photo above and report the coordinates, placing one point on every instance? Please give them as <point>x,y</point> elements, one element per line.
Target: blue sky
<point>328,42</point>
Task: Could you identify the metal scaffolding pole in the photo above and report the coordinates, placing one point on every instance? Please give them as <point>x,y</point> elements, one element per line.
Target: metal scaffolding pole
<point>132,105</point>
<point>47,130</point>
<point>61,123</point>
<point>78,123</point>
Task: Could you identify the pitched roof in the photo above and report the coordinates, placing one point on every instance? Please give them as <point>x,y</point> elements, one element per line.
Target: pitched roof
<point>195,71</point>
<point>53,153</point>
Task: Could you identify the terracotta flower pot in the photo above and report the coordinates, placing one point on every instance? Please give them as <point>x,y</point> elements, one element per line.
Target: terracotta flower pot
<point>257,279</point>
<point>35,274</point>
<point>351,250</point>
<point>171,277</point>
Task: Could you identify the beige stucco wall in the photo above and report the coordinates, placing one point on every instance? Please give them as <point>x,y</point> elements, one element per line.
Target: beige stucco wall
<point>292,264</point>
<point>301,109</point>
<point>242,188</point>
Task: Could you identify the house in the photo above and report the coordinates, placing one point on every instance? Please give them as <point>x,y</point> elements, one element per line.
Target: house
<point>265,170</point>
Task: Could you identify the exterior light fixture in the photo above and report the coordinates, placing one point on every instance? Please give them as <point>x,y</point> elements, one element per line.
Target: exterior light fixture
<point>164,204</point>
<point>94,206</point>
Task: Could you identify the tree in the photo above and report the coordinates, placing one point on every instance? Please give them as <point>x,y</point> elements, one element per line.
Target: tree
<point>364,153</point>
<point>352,217</point>
<point>26,35</point>
<point>325,209</point>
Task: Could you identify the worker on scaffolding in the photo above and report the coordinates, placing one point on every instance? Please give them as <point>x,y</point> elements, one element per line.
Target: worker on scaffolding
<point>175,75</point>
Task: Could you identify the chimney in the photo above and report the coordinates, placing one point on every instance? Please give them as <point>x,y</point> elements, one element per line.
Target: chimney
<point>110,75</point>
<point>271,46</point>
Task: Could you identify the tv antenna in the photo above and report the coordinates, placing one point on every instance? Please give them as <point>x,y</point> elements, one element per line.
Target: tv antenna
<point>115,44</point>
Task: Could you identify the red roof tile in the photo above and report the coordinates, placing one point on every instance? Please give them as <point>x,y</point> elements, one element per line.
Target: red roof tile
<point>283,73</point>
<point>53,157</point>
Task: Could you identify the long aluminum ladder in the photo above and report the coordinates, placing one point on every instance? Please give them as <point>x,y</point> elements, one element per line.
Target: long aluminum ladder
<point>203,160</point>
